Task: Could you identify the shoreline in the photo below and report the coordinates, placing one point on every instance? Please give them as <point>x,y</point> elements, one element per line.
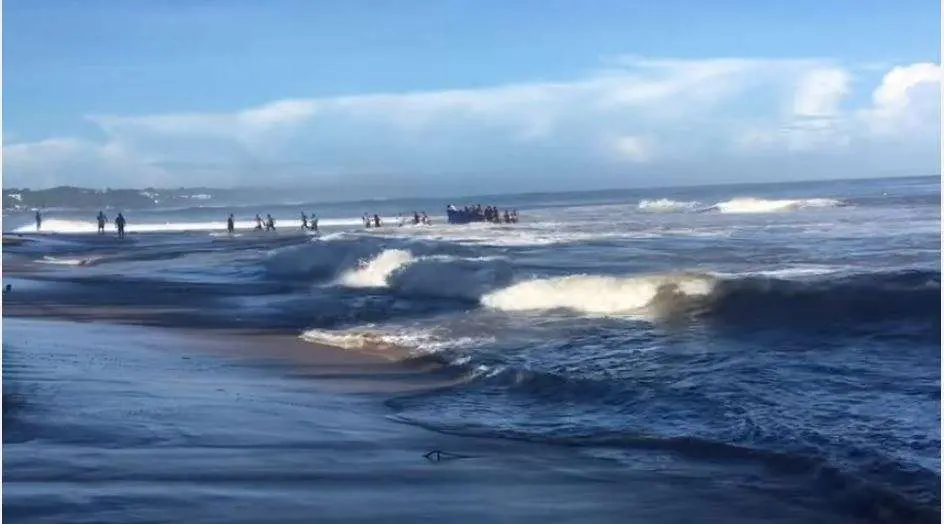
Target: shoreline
<point>377,370</point>
<point>218,418</point>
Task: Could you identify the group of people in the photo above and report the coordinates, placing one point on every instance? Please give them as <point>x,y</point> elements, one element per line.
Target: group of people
<point>477,213</point>
<point>101,219</point>
<point>418,218</point>
<point>371,220</point>
<point>268,224</point>
<point>374,220</point>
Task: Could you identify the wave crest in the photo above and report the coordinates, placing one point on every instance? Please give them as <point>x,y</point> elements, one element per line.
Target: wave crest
<point>665,204</point>
<point>438,276</point>
<point>598,295</point>
<point>761,205</point>
<point>411,340</point>
<point>909,298</point>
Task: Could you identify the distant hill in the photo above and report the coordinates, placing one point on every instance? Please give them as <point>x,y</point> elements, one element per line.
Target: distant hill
<point>84,198</point>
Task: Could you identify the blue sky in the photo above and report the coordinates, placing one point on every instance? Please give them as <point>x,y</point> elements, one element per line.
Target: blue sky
<point>559,93</point>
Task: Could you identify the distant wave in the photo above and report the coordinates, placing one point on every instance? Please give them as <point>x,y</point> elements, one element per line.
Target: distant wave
<point>744,205</point>
<point>54,225</point>
<point>664,204</point>
<point>760,205</point>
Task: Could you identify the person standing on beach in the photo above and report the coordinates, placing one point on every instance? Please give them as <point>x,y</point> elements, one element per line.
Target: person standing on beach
<point>304,220</point>
<point>230,224</point>
<point>314,222</point>
<point>101,222</point>
<point>39,220</point>
<point>120,223</point>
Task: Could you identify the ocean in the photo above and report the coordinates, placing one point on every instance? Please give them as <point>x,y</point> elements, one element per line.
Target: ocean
<point>769,342</point>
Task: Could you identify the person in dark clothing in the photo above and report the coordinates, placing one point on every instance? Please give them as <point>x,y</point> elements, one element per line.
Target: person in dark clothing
<point>376,220</point>
<point>304,220</point>
<point>120,223</point>
<point>101,222</point>
<point>270,223</point>
<point>314,222</point>
<point>39,221</point>
<point>230,224</point>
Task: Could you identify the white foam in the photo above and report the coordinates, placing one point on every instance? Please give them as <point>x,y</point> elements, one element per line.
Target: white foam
<point>68,261</point>
<point>441,276</point>
<point>665,204</point>
<point>784,273</point>
<point>504,235</point>
<point>416,340</point>
<point>54,225</point>
<point>595,294</point>
<point>375,272</point>
<point>760,205</point>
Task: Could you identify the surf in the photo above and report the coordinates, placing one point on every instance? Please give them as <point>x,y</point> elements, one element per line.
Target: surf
<point>65,226</point>
<point>748,205</point>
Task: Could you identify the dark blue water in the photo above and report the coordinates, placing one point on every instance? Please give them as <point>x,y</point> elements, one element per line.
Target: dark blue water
<point>794,326</point>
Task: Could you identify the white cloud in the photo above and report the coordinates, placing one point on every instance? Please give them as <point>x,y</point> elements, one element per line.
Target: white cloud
<point>59,161</point>
<point>727,110</point>
<point>905,107</point>
<point>907,102</point>
<point>820,91</point>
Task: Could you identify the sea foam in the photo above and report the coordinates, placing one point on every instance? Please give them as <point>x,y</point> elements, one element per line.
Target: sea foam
<point>596,294</point>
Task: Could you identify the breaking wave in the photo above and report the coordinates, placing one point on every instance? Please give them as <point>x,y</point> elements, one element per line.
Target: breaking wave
<point>752,300</point>
<point>760,205</point>
<point>744,205</point>
<point>437,276</point>
<point>375,272</point>
<point>596,294</point>
<point>665,204</point>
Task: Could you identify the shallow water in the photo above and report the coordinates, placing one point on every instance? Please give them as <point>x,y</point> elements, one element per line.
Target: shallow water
<point>791,328</point>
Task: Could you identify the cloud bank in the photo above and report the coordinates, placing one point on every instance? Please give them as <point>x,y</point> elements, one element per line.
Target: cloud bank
<point>639,122</point>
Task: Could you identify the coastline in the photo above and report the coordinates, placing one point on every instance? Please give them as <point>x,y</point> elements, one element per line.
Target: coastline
<point>169,375</point>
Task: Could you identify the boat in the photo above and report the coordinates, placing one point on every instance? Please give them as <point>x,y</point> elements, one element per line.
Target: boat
<point>478,214</point>
<point>460,216</point>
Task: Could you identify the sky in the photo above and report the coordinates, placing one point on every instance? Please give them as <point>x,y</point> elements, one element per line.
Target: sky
<point>471,96</point>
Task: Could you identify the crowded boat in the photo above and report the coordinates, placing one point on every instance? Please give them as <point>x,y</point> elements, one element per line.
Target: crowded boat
<point>477,213</point>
